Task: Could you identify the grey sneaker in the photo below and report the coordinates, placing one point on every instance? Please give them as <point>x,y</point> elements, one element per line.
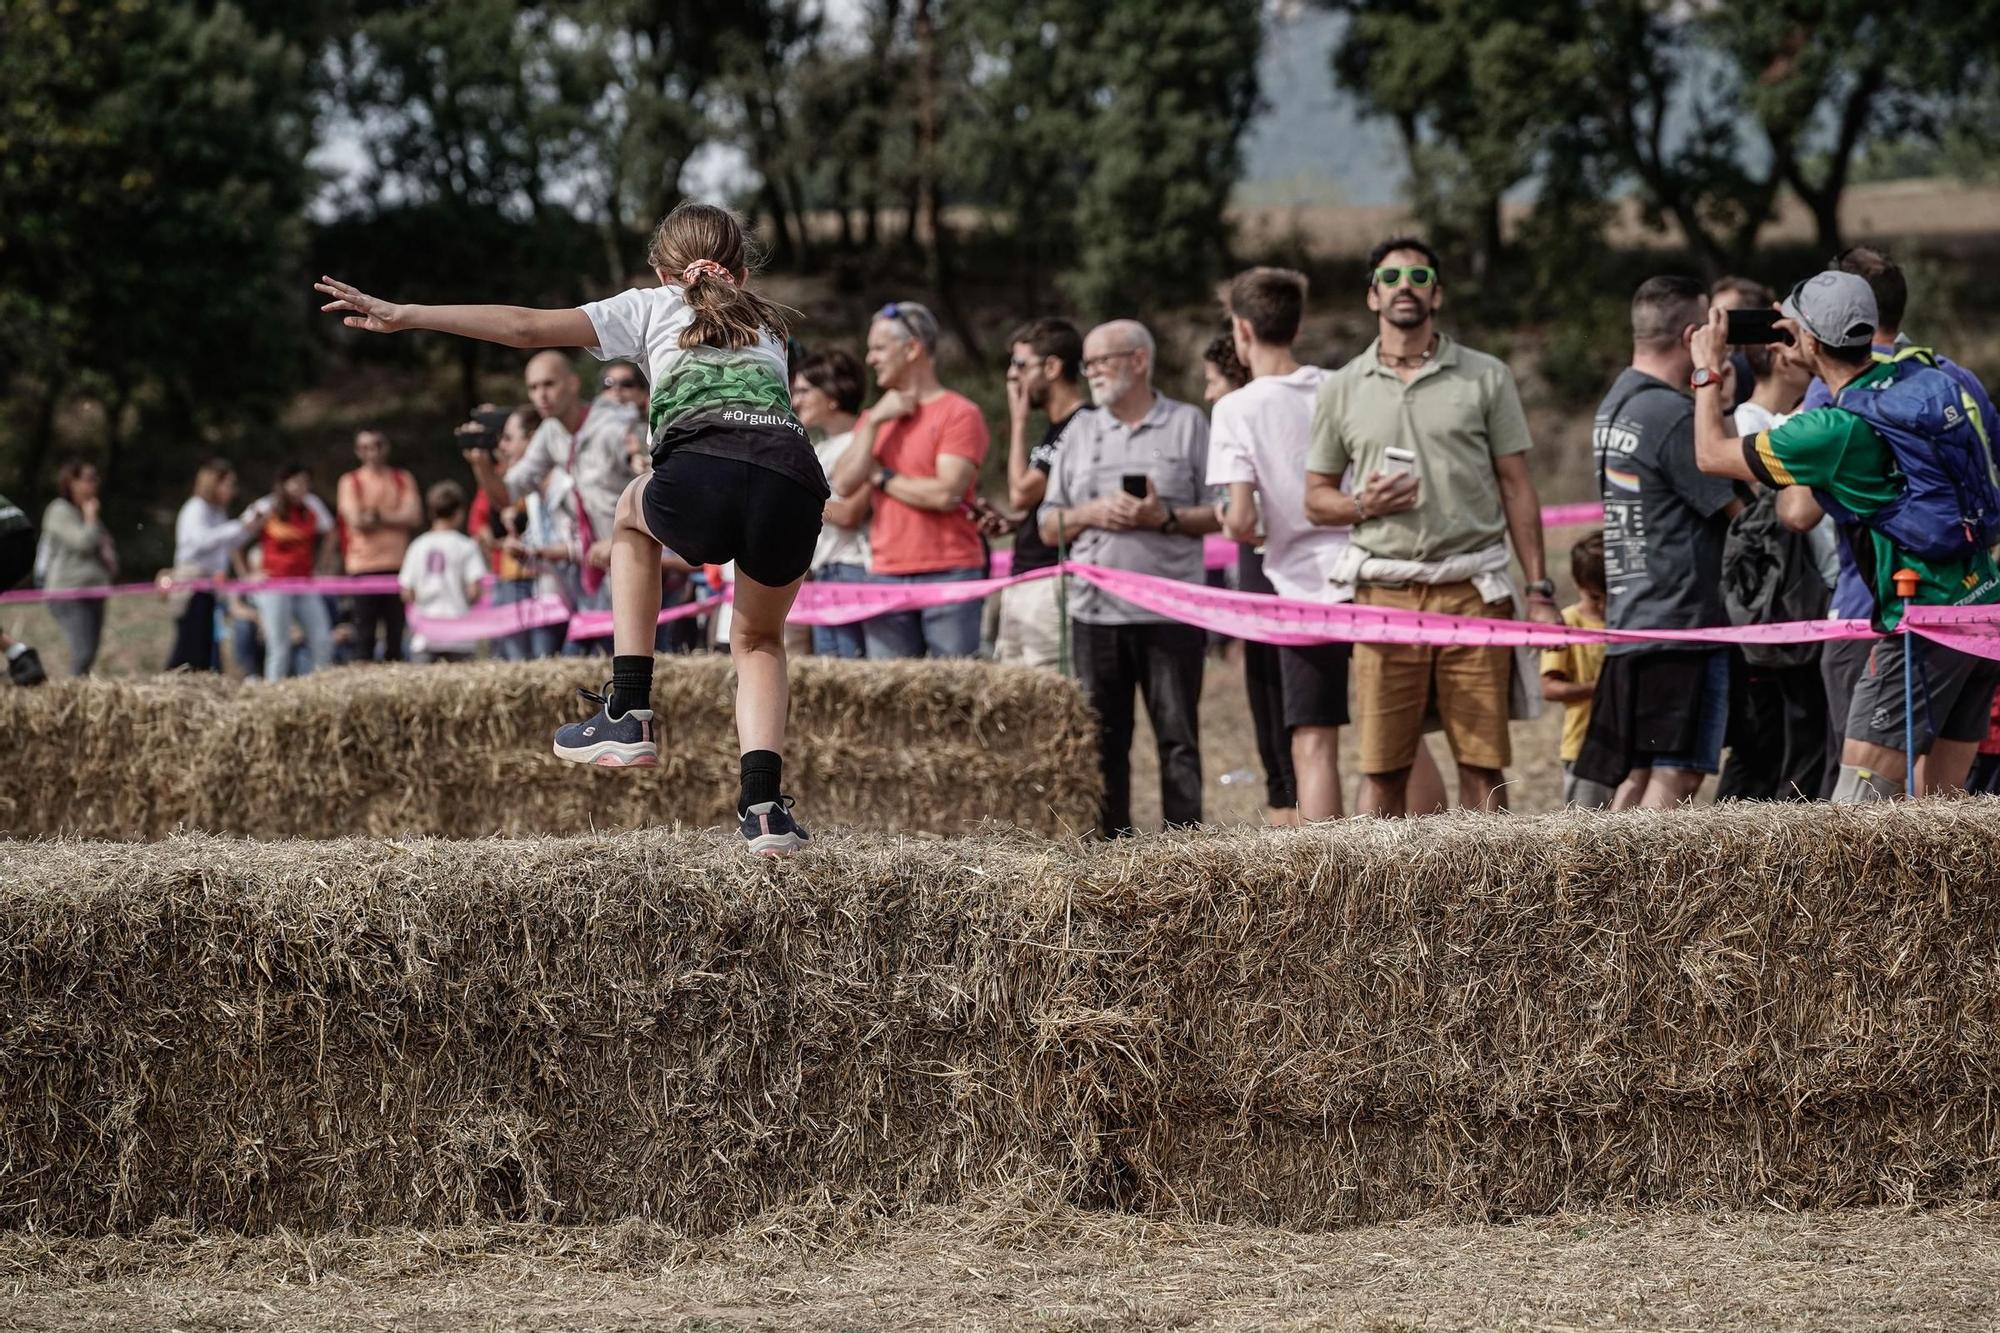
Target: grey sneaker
<point>770,830</point>
<point>608,742</point>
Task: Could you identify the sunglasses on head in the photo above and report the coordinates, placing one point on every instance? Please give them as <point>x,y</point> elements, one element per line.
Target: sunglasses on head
<point>1421,275</point>
<point>894,312</point>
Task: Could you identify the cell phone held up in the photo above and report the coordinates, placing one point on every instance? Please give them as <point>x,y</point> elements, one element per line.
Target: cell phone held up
<point>1745,327</point>
<point>1134,484</point>
<point>483,431</point>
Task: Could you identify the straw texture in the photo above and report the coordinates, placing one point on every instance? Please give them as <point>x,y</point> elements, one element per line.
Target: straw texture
<point>463,751</point>
<point>1356,1022</point>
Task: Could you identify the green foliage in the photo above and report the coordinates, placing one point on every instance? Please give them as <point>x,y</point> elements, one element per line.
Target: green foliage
<point>153,181</point>
<point>1478,89</point>
<point>1708,111</point>
<point>1177,85</point>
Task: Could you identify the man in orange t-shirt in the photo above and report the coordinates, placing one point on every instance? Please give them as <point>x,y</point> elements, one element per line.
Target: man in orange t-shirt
<point>380,509</point>
<point>920,448</point>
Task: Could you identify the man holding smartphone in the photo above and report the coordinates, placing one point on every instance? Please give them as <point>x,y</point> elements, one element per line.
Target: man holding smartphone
<point>1129,491</point>
<point>1437,444</point>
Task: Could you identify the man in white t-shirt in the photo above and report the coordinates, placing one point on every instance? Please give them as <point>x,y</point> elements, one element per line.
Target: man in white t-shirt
<point>1258,440</point>
<point>442,574</point>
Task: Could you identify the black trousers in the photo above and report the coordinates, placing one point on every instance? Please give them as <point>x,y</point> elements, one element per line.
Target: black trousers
<point>1164,663</point>
<point>1777,735</point>
<point>194,636</point>
<point>381,611</point>
<point>1266,687</point>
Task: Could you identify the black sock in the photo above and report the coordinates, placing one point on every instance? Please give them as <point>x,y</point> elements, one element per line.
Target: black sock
<point>631,684</point>
<point>762,772</point>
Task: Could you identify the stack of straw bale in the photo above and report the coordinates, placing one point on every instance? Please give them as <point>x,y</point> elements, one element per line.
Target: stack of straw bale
<point>463,751</point>
<point>1353,1022</point>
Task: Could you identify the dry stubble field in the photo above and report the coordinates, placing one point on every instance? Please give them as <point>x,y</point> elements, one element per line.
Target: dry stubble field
<point>1003,1266</point>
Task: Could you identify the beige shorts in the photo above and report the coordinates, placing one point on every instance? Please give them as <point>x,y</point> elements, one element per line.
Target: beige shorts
<point>1395,684</point>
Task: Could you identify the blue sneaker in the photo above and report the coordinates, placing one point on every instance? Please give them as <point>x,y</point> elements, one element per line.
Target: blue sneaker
<point>625,742</point>
<point>770,830</point>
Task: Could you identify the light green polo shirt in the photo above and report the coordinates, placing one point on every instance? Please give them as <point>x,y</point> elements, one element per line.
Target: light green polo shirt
<point>1460,413</point>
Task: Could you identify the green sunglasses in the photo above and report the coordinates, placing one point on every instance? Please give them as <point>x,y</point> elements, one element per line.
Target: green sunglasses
<point>1420,276</point>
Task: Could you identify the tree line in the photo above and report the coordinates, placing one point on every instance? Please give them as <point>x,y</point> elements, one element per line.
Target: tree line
<point>166,191</point>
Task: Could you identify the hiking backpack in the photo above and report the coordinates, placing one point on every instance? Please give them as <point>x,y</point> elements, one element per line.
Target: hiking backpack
<point>1950,505</point>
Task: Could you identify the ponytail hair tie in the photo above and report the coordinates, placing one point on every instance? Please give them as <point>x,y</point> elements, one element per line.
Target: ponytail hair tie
<point>701,266</point>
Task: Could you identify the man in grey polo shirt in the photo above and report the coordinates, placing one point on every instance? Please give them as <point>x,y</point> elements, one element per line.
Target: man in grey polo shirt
<point>1137,441</point>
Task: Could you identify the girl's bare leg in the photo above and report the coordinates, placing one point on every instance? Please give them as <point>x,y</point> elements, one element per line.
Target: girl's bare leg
<point>757,646</point>
<point>635,576</point>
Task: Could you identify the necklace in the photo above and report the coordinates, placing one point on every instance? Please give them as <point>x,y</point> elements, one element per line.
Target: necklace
<point>1398,362</point>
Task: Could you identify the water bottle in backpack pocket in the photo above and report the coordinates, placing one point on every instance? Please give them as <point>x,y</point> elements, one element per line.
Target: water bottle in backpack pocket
<point>1950,505</point>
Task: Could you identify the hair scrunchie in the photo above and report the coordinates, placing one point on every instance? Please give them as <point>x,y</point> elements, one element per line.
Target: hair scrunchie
<point>701,266</point>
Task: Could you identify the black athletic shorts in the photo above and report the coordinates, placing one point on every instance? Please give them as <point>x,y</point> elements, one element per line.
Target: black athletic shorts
<point>1657,708</point>
<point>1315,684</point>
<point>710,510</point>
<point>17,556</point>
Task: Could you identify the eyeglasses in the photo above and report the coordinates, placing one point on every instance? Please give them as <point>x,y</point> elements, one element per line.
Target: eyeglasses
<point>614,382</point>
<point>1421,275</point>
<point>1100,362</point>
<point>1016,363</point>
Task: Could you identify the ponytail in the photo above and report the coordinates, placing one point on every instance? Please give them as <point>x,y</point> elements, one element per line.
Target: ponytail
<point>705,247</point>
<point>726,315</point>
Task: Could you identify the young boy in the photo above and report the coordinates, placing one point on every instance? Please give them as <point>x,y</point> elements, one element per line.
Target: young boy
<point>442,573</point>
<point>1569,675</point>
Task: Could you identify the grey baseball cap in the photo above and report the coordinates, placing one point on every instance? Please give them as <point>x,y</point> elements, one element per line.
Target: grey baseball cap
<point>1838,309</point>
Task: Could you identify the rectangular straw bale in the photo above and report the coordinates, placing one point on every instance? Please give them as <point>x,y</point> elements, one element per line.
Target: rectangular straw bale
<point>463,751</point>
<point>110,758</point>
<point>319,1035</point>
<point>1353,1022</point>
<point>1742,1003</point>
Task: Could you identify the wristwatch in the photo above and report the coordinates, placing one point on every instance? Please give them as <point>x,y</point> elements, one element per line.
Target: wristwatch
<point>883,476</point>
<point>1172,523</point>
<point>1543,588</point>
<point>1703,377</point>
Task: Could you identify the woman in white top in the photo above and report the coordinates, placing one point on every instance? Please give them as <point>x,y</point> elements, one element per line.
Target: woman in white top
<point>826,393</point>
<point>734,478</point>
<point>205,536</point>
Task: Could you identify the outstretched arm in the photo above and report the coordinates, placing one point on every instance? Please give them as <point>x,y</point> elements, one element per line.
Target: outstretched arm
<point>508,325</point>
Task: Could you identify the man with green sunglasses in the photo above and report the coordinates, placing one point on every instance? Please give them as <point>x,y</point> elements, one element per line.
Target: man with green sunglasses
<point>1420,446</point>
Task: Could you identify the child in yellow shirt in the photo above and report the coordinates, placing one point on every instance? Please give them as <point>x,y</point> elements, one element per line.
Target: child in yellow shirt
<point>1569,675</point>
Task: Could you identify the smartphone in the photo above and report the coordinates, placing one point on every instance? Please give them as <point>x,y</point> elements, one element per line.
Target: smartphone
<point>1135,484</point>
<point>1755,326</point>
<point>1397,461</point>
<point>489,424</point>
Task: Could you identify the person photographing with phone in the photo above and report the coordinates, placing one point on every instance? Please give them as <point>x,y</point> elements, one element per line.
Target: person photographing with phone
<point>1432,439</point>
<point>1129,491</point>
<point>1904,463</point>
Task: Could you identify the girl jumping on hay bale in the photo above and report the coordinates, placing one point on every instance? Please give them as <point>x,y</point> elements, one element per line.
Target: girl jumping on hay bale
<point>734,478</point>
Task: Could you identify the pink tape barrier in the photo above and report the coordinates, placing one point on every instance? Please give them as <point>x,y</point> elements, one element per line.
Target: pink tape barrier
<point>347,585</point>
<point>1296,623</point>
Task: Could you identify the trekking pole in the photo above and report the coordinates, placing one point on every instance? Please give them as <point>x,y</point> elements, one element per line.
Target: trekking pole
<point>1062,598</point>
<point>1906,588</point>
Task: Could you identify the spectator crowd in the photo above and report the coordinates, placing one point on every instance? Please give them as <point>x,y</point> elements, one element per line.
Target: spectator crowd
<point>1759,460</point>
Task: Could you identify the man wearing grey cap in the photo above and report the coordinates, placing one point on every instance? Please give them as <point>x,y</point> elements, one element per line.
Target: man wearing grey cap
<point>1853,470</point>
